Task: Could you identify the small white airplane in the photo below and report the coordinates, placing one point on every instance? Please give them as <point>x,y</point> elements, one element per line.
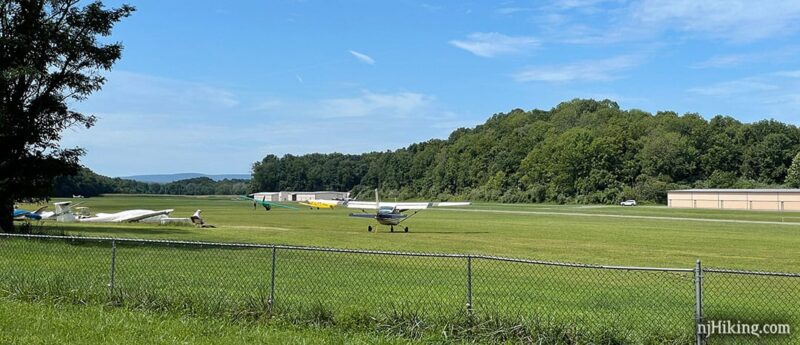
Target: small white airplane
<point>64,214</point>
<point>389,213</point>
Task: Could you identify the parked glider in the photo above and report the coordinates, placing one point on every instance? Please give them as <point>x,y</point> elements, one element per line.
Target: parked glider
<point>390,213</point>
<point>64,214</point>
<point>266,204</point>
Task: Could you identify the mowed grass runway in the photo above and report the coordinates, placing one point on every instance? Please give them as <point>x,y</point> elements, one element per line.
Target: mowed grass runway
<point>345,288</point>
<point>545,232</point>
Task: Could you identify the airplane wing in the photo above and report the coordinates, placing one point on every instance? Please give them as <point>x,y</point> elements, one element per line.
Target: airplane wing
<point>363,215</point>
<point>451,204</point>
<point>402,206</point>
<point>364,205</point>
<point>143,216</point>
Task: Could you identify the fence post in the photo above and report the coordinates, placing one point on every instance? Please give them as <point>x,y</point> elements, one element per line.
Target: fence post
<point>113,272</point>
<point>469,285</point>
<point>272,283</point>
<point>698,298</point>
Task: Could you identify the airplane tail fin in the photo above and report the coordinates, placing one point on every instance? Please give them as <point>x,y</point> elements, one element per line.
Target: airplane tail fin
<point>64,212</point>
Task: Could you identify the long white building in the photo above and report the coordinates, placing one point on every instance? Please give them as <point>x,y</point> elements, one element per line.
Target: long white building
<point>300,196</point>
<point>736,199</point>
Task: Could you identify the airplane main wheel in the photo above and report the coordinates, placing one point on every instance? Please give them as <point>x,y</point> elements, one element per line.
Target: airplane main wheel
<point>406,229</point>
<point>369,228</point>
<point>391,229</point>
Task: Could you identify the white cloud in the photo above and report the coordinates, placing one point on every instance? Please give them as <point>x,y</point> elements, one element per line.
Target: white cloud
<point>771,56</point>
<point>595,70</point>
<point>362,57</point>
<point>143,93</point>
<point>512,10</point>
<point>736,20</point>
<point>399,104</point>
<point>491,44</point>
<point>158,125</point>
<point>629,21</point>
<point>775,94</point>
<point>741,86</point>
<point>721,61</point>
<point>789,74</point>
<point>582,4</point>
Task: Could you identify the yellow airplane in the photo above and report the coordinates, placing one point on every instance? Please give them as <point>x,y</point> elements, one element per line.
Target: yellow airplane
<point>318,204</point>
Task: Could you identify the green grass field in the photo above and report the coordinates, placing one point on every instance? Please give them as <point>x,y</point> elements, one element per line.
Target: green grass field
<point>416,297</point>
<point>591,238</point>
<point>45,323</point>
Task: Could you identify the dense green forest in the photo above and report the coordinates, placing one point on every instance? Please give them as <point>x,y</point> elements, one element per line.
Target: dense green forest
<point>88,183</point>
<point>581,151</point>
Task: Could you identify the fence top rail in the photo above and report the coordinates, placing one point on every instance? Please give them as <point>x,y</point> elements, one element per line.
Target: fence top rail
<point>752,273</point>
<point>577,265</point>
<point>396,253</point>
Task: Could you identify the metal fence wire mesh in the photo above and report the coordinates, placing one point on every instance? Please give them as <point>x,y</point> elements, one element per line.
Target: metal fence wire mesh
<point>753,298</point>
<point>637,304</point>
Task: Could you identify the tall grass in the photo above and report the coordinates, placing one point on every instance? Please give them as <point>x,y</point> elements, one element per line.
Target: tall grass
<point>403,296</point>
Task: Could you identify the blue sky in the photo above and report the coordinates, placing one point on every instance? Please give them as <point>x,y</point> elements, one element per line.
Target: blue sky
<point>213,86</point>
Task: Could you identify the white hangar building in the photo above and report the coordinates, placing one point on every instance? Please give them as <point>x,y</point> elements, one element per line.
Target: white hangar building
<point>300,196</point>
<point>736,199</point>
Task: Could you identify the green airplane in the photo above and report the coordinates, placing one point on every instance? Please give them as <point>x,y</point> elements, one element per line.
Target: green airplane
<point>266,204</point>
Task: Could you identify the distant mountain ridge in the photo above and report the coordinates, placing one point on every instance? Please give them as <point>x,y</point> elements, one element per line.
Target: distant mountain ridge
<point>167,178</point>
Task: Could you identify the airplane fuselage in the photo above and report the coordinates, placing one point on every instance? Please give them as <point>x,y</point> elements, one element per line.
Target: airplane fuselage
<point>389,216</point>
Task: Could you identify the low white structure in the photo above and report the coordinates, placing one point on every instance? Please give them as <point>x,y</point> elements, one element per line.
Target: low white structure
<point>266,196</point>
<point>300,196</point>
<point>736,199</point>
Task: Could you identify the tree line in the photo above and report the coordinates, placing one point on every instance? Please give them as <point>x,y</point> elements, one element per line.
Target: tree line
<point>88,183</point>
<point>581,151</point>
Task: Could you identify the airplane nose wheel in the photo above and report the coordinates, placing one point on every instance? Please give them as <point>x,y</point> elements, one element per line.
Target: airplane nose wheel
<point>369,228</point>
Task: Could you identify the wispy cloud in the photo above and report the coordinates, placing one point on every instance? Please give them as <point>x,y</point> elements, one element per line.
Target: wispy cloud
<point>141,93</point>
<point>362,57</point>
<point>491,44</point>
<point>788,74</point>
<point>399,104</point>
<point>775,94</point>
<point>739,21</point>
<point>593,70</point>
<point>741,86</point>
<point>735,20</point>
<point>512,10</point>
<point>788,53</point>
<point>172,125</point>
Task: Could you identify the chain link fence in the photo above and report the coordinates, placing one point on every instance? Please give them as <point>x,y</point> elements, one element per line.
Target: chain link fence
<point>538,301</point>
